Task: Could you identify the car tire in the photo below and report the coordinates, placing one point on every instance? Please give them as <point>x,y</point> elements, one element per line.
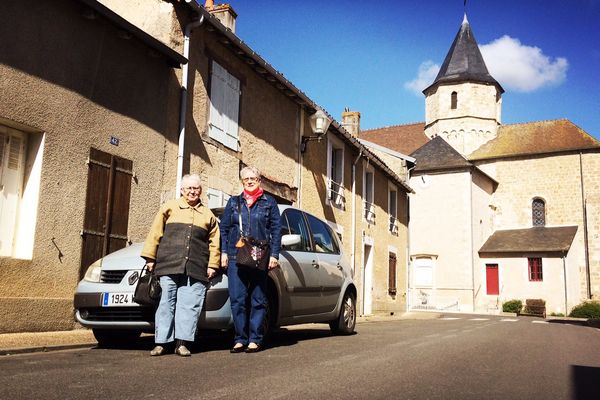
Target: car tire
<point>270,316</point>
<point>346,321</point>
<point>116,337</point>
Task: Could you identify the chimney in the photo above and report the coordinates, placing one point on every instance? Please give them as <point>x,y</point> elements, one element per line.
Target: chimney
<point>223,12</point>
<point>351,122</point>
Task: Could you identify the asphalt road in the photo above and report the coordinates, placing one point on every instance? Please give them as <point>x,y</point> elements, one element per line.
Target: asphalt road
<point>454,357</point>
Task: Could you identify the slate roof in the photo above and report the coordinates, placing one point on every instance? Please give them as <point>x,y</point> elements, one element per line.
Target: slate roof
<point>438,155</point>
<point>536,138</point>
<point>464,61</point>
<point>531,240</point>
<point>401,138</point>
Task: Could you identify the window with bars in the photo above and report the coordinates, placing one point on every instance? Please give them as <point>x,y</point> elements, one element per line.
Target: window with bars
<point>335,175</point>
<point>535,269</point>
<point>538,212</point>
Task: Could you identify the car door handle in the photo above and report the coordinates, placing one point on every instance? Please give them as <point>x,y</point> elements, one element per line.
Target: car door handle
<point>315,264</point>
<point>340,267</point>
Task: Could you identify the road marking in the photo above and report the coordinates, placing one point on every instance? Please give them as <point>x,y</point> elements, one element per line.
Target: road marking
<point>449,318</point>
<point>479,319</point>
<point>509,320</point>
<point>539,322</point>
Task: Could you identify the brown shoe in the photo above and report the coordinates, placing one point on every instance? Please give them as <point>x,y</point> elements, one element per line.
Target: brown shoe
<point>157,351</point>
<point>182,351</point>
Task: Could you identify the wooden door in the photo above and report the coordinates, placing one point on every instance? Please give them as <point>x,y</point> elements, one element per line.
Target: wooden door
<point>491,274</point>
<point>106,207</point>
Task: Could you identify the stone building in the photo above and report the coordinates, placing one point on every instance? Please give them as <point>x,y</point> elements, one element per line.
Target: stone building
<point>106,104</point>
<point>499,211</point>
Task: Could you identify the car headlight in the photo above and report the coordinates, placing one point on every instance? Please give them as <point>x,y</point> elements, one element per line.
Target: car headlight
<point>93,272</point>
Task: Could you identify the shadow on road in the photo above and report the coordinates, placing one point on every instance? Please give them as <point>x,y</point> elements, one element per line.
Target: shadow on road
<point>585,382</point>
<point>222,341</point>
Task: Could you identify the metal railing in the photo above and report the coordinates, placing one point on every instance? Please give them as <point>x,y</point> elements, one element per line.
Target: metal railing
<point>394,225</point>
<point>369,212</point>
<point>335,193</point>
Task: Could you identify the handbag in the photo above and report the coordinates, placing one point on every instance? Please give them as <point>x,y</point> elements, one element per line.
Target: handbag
<point>251,253</point>
<point>148,290</point>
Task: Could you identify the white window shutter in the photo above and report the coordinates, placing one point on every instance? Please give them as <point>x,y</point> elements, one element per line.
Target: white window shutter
<point>12,157</point>
<point>224,107</point>
<point>216,124</point>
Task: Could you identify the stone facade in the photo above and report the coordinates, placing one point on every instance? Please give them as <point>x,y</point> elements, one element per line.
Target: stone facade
<point>472,123</point>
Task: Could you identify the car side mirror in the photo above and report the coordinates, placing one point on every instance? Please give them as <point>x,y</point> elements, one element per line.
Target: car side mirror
<point>290,240</point>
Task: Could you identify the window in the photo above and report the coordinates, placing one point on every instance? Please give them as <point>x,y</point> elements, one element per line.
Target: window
<point>454,100</point>
<point>393,209</point>
<point>535,269</point>
<point>216,198</point>
<point>491,275</point>
<point>392,273</point>
<point>224,107</point>
<point>292,223</point>
<point>538,212</point>
<point>335,174</point>
<point>323,236</point>
<point>368,191</point>
<point>20,173</point>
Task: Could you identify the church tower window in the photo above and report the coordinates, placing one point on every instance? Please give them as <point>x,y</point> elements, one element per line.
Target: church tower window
<point>538,212</point>
<point>453,100</point>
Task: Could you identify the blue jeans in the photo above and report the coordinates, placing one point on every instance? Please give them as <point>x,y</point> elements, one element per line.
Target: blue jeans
<point>244,282</point>
<point>179,308</point>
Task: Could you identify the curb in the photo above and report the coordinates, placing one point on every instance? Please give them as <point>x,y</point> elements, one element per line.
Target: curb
<point>44,349</point>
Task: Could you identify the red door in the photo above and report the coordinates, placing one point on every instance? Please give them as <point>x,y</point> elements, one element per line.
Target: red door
<point>491,274</point>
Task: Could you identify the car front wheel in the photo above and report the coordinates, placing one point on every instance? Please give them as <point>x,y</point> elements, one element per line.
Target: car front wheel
<point>116,337</point>
<point>346,321</point>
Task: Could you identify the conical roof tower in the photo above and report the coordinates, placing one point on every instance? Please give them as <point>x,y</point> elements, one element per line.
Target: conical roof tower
<point>464,102</point>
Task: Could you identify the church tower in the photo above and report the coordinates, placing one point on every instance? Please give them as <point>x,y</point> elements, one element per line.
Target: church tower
<point>464,102</point>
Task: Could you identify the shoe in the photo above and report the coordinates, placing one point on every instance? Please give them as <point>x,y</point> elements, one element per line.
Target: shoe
<point>157,351</point>
<point>182,351</point>
<point>237,348</point>
<point>253,349</point>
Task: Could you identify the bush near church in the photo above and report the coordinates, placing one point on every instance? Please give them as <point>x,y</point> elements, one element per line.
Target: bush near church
<point>512,306</point>
<point>587,309</point>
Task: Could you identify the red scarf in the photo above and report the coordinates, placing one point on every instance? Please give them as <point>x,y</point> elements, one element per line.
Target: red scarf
<point>251,197</point>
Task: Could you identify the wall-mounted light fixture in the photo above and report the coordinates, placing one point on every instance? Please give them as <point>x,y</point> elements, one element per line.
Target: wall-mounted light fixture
<point>319,123</point>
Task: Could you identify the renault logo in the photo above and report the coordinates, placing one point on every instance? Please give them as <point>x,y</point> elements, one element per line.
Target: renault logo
<point>133,277</point>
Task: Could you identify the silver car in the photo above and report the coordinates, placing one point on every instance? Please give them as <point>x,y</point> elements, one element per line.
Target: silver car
<point>314,284</point>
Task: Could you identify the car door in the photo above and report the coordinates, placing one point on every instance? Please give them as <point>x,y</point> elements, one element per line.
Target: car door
<point>302,290</point>
<point>329,270</point>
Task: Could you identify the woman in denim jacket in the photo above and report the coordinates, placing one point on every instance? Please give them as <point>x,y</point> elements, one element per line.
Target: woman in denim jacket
<point>260,220</point>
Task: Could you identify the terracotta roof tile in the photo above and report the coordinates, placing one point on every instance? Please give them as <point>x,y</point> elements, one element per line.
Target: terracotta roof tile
<point>401,138</point>
<point>535,138</point>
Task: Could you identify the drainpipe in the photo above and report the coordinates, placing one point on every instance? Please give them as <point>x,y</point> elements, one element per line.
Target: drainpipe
<point>565,276</point>
<point>353,255</point>
<point>300,163</point>
<point>585,231</point>
<point>183,109</point>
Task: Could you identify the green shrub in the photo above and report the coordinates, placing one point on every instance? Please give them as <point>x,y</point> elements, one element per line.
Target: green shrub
<point>587,309</point>
<point>512,306</point>
<point>557,314</point>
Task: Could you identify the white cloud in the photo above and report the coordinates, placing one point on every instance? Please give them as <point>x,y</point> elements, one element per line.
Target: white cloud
<point>428,70</point>
<point>515,66</point>
<point>520,67</point>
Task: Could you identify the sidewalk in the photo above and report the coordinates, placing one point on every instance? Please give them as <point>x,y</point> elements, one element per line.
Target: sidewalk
<point>29,342</point>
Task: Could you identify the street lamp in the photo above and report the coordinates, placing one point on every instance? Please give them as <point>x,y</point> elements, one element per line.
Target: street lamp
<point>319,123</point>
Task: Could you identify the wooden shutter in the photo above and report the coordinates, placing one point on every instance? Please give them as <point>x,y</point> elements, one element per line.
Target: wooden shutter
<point>224,107</point>
<point>392,274</point>
<point>107,206</point>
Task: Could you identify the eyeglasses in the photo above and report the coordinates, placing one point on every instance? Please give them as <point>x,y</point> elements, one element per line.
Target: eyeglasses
<point>192,189</point>
<point>250,179</point>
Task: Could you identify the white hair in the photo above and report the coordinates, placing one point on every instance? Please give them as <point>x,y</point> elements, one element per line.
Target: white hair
<point>191,177</point>
<point>253,170</point>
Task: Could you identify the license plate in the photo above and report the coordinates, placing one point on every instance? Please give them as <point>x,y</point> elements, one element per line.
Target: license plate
<point>117,300</point>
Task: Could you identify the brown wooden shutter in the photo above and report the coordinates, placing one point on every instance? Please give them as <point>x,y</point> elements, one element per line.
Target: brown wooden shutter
<point>106,207</point>
<point>392,274</point>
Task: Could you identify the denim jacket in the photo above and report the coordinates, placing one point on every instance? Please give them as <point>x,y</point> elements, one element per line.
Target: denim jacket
<point>262,221</point>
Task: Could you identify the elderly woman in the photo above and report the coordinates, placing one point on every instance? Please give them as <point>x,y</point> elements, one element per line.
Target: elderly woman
<point>260,220</point>
<point>183,250</point>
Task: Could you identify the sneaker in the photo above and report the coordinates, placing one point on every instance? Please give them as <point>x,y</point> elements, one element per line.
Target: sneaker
<point>182,351</point>
<point>157,351</point>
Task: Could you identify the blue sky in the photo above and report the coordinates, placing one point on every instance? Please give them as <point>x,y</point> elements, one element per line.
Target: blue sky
<point>375,56</point>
